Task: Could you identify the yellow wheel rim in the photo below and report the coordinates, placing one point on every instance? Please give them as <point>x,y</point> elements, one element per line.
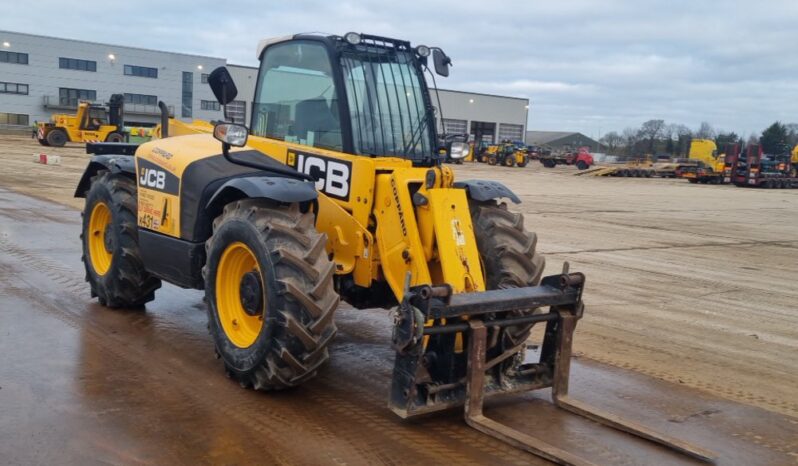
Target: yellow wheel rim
<point>241,328</point>
<point>99,255</point>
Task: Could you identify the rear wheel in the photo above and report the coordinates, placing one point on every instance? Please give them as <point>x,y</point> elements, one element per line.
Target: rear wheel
<point>492,160</point>
<point>523,162</point>
<point>269,287</point>
<point>111,255</point>
<point>115,137</point>
<point>508,161</point>
<point>510,260</point>
<point>582,165</point>
<point>56,137</point>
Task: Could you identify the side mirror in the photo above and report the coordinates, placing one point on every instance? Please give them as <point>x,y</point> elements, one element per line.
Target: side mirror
<point>441,61</point>
<point>222,85</point>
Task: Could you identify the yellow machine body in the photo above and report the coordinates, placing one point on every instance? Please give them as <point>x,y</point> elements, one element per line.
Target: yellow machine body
<point>79,127</point>
<point>434,241</point>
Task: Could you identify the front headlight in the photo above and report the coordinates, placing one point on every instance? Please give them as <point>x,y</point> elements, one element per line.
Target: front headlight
<point>235,135</point>
<point>459,150</point>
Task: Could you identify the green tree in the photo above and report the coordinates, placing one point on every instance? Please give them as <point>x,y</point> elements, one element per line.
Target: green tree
<point>774,139</point>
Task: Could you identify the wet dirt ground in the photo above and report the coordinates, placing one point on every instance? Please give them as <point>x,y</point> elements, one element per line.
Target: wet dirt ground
<point>677,286</point>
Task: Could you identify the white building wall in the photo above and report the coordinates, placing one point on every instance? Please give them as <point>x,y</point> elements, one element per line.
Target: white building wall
<point>246,78</point>
<point>44,77</point>
<point>470,107</point>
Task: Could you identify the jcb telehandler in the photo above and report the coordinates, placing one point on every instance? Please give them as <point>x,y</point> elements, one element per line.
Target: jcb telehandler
<point>337,191</point>
<point>91,123</point>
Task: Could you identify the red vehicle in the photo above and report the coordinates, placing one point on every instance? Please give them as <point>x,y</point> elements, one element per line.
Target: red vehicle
<point>581,158</point>
<point>764,170</point>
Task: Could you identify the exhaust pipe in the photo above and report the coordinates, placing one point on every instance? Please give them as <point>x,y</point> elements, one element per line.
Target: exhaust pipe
<point>164,119</point>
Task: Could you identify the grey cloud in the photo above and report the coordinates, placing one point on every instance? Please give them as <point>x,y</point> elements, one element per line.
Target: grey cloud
<point>591,66</point>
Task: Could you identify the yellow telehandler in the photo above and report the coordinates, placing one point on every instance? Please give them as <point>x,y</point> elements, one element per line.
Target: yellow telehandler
<point>337,191</point>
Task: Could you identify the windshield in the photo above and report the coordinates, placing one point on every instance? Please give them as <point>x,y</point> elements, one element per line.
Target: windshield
<point>387,103</point>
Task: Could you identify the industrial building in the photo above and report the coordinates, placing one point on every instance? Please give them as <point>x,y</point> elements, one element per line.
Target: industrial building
<point>40,76</point>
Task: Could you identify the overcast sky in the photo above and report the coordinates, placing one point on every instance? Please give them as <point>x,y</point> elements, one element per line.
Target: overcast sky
<point>589,66</point>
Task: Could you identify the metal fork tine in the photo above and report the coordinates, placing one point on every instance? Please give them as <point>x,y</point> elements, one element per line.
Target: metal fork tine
<point>559,394</point>
<point>475,387</point>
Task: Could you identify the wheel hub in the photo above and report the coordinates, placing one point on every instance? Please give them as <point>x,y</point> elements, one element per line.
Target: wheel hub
<point>251,291</point>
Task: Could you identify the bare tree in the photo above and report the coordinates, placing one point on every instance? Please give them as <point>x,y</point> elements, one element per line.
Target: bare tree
<point>630,138</point>
<point>612,141</point>
<point>705,131</point>
<point>651,131</point>
<point>792,134</point>
<point>753,139</point>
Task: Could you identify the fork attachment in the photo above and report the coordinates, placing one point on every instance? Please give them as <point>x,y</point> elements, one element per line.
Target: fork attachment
<point>459,361</point>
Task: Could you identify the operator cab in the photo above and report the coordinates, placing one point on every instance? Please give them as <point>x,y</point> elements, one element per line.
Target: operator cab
<point>357,94</point>
<point>94,117</point>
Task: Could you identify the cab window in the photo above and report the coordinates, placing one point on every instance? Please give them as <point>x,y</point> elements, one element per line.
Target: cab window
<point>296,99</point>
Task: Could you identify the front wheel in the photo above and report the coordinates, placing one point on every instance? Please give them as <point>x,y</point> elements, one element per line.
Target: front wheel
<point>269,288</point>
<point>509,161</point>
<point>582,165</point>
<point>510,260</point>
<point>111,254</point>
<point>115,137</point>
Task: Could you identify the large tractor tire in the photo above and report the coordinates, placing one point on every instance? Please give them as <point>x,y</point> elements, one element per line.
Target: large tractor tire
<point>510,260</point>
<point>111,254</point>
<point>509,161</point>
<point>56,137</point>
<point>115,137</point>
<point>269,288</point>
<point>523,163</point>
<point>492,159</point>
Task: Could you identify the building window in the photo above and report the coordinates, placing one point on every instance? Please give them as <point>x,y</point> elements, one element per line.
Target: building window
<point>13,57</point>
<point>204,78</point>
<point>188,94</point>
<point>511,132</point>
<point>13,119</point>
<point>141,71</point>
<point>237,111</point>
<point>451,126</point>
<point>77,64</point>
<point>71,97</point>
<point>141,99</point>
<point>13,88</point>
<point>209,105</point>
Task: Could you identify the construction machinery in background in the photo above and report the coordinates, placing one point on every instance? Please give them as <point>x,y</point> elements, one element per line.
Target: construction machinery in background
<point>704,163</point>
<point>581,158</point>
<point>507,153</point>
<point>756,169</point>
<point>329,196</point>
<point>91,123</point>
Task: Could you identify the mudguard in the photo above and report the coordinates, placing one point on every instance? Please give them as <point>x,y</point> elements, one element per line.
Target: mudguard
<point>115,163</point>
<point>485,190</point>
<point>280,189</point>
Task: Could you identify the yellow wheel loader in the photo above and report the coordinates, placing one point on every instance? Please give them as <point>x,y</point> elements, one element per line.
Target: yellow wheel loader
<point>335,192</point>
<point>91,123</point>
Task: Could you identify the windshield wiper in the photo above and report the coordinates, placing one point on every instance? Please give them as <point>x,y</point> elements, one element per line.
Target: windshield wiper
<point>417,133</point>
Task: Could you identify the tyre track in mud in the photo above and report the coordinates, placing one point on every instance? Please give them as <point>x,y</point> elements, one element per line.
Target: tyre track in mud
<point>331,396</point>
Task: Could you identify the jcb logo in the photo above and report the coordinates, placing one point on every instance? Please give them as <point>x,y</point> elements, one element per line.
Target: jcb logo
<point>332,176</point>
<point>152,178</point>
